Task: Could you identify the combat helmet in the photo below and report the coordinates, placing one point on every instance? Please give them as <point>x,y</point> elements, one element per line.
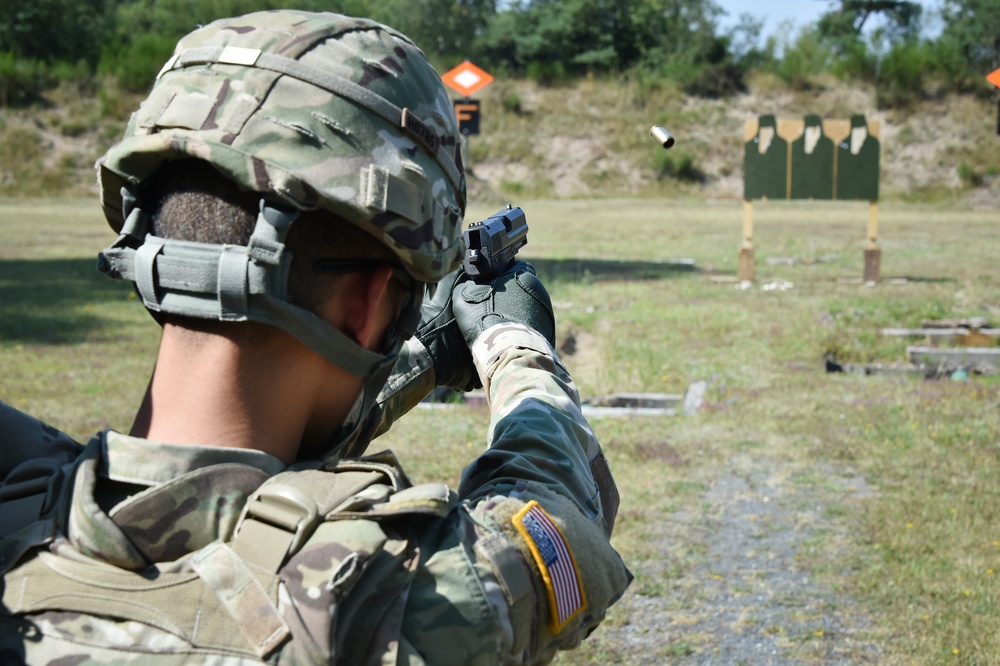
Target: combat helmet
<point>312,111</point>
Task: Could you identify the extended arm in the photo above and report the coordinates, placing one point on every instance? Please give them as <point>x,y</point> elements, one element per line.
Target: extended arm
<point>537,507</point>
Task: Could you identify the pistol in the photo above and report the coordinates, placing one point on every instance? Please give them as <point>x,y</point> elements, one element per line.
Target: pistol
<point>491,245</point>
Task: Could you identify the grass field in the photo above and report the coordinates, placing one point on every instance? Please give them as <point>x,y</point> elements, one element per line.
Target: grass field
<point>888,486</point>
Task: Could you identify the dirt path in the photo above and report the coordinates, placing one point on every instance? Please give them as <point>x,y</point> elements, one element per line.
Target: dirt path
<point>744,594</point>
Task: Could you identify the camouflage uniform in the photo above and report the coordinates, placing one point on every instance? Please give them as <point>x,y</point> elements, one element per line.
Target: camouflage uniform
<point>466,585</point>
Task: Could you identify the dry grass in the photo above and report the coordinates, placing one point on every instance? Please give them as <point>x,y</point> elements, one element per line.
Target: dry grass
<point>590,138</point>
<point>75,347</point>
<point>887,486</point>
<point>584,138</point>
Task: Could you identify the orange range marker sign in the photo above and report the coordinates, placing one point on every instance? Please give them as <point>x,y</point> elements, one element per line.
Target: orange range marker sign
<point>467,78</point>
<point>994,78</point>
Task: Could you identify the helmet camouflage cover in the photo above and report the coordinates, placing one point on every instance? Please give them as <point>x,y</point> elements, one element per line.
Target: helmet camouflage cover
<point>316,111</point>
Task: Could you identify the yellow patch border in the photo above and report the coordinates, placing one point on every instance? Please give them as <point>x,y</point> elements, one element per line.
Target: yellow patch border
<point>517,519</point>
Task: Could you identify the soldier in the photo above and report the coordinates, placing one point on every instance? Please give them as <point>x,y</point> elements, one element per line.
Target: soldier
<point>284,196</point>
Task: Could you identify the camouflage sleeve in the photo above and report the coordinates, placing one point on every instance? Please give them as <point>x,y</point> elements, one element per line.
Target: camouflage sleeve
<point>537,431</point>
<point>532,531</point>
<point>411,381</point>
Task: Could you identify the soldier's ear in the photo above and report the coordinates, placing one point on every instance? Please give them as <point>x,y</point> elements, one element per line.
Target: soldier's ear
<point>370,307</point>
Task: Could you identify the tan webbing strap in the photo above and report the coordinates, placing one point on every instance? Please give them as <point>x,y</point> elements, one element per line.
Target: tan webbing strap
<point>145,273</point>
<point>514,576</point>
<point>386,192</point>
<point>233,282</point>
<point>330,489</point>
<point>242,595</point>
<point>283,513</point>
<point>262,545</point>
<point>182,604</point>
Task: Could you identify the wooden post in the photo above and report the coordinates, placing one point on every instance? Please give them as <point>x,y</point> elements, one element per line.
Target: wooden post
<point>873,255</point>
<point>873,225</point>
<point>745,270</point>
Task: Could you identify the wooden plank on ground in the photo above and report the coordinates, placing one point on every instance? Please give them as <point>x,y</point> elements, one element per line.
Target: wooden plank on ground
<point>970,322</point>
<point>984,337</point>
<point>932,336</point>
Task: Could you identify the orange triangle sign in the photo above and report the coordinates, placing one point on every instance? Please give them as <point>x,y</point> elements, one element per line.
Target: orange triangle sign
<point>994,78</point>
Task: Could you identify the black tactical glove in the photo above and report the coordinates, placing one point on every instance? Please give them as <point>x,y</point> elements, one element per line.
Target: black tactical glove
<point>516,295</point>
<point>439,333</point>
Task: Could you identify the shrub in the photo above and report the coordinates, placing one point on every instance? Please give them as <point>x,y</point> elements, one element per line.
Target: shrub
<point>969,175</point>
<point>946,60</point>
<point>801,60</point>
<point>136,63</point>
<point>22,80</point>
<point>901,74</point>
<point>78,71</point>
<point>512,103</point>
<point>714,81</point>
<point>680,166</point>
<point>856,63</point>
<point>546,73</point>
<point>114,103</point>
<point>23,170</point>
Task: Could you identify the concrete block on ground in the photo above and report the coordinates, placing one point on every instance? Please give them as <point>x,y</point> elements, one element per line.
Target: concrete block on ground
<point>979,359</point>
<point>694,397</point>
<point>641,400</point>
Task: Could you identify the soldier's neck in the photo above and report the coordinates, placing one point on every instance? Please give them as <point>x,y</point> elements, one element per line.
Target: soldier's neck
<point>213,390</point>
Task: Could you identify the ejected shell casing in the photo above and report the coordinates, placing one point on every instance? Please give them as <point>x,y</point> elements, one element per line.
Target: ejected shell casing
<point>662,136</point>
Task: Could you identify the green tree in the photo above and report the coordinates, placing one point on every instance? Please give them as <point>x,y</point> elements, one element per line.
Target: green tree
<point>902,73</point>
<point>745,42</point>
<point>172,19</point>
<point>580,34</point>
<point>972,27</point>
<point>868,49</point>
<point>443,29</point>
<point>804,54</point>
<point>143,32</point>
<point>848,18</point>
<point>53,30</point>
<point>687,46</point>
<point>676,38</point>
<point>858,53</point>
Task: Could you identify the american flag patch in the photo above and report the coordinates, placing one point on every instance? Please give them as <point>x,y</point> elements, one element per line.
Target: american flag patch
<point>555,562</point>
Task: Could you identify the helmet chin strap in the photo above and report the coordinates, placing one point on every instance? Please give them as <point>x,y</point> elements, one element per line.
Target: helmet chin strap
<point>248,283</point>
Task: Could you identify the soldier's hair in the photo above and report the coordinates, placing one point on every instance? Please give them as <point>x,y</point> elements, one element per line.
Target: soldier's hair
<point>190,200</point>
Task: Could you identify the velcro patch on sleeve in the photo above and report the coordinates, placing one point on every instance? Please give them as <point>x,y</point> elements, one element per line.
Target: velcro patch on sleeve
<point>555,562</point>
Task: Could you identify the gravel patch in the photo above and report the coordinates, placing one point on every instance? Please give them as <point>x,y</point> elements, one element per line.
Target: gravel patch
<point>747,595</point>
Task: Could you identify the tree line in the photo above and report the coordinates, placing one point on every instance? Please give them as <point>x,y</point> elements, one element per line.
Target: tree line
<point>875,41</point>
